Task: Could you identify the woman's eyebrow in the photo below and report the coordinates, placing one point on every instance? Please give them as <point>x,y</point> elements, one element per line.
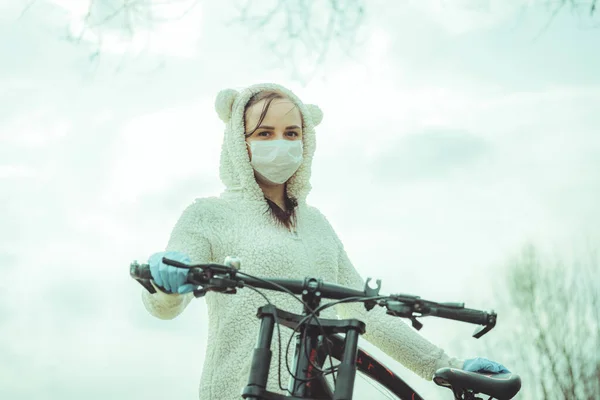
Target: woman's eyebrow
<point>272,128</point>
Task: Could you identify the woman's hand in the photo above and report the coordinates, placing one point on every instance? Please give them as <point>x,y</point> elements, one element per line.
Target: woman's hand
<point>169,278</point>
<point>480,364</point>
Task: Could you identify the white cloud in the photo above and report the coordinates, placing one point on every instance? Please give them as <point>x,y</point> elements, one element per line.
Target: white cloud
<point>36,129</point>
<point>463,16</point>
<point>156,150</point>
<point>17,171</point>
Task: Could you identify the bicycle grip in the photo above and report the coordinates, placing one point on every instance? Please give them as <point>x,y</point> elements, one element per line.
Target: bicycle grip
<point>140,271</point>
<point>463,314</point>
<point>142,274</point>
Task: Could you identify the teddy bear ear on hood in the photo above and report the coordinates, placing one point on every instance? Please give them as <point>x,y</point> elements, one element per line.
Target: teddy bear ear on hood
<point>315,113</point>
<point>224,103</point>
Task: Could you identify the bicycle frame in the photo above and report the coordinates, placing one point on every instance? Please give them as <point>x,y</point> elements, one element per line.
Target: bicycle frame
<point>374,369</point>
<point>314,342</point>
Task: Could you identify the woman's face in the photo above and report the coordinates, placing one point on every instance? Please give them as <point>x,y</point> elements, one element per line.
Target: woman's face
<point>282,121</point>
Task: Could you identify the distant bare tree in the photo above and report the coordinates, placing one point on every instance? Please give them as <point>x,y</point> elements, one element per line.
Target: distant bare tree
<point>549,327</point>
<point>587,6</point>
<point>129,15</point>
<point>585,9</point>
<point>301,33</point>
<point>313,24</point>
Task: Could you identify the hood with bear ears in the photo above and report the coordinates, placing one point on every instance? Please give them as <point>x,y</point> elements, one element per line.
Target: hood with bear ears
<point>235,170</point>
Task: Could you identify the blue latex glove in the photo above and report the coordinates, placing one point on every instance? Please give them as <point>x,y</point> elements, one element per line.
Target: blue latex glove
<point>171,279</point>
<point>480,364</point>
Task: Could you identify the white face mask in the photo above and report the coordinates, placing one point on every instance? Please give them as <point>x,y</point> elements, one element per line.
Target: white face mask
<point>276,160</point>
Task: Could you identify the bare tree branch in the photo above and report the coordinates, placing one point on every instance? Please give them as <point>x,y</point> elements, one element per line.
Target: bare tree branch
<point>305,30</point>
<point>558,302</point>
<point>128,16</point>
<point>27,8</point>
<point>300,33</point>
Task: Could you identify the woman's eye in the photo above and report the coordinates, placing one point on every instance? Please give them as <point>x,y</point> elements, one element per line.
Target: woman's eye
<point>263,133</point>
<point>293,133</point>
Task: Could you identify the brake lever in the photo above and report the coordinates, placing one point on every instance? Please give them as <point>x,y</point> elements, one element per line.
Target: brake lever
<point>202,291</point>
<point>403,310</point>
<point>220,285</point>
<point>147,285</point>
<point>211,273</point>
<point>492,318</point>
<point>415,323</point>
<point>137,273</point>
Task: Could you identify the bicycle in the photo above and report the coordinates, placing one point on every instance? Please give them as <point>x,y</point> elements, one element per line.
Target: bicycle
<point>320,338</point>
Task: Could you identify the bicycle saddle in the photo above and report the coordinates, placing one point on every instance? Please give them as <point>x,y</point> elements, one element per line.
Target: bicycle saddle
<point>499,386</point>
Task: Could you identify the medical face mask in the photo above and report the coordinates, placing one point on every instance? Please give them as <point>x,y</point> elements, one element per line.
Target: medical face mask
<point>276,160</point>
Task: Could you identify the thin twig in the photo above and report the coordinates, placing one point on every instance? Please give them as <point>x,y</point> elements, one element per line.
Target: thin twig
<point>26,8</point>
<point>550,20</point>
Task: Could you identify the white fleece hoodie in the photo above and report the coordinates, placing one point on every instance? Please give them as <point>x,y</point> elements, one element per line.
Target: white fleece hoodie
<point>237,223</point>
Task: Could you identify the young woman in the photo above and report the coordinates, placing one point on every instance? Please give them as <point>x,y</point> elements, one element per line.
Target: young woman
<point>263,218</point>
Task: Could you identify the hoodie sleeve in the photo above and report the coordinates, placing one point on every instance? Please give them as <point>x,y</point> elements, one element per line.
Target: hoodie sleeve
<point>390,334</point>
<point>188,238</point>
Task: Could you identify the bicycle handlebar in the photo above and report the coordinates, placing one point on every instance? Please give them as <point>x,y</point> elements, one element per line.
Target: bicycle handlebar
<point>201,275</point>
<point>226,279</point>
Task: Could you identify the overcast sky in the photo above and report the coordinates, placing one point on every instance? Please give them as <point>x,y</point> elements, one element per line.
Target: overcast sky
<point>451,137</point>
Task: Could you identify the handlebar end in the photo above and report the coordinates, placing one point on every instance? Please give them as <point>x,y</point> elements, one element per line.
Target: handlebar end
<point>141,273</point>
<point>491,323</point>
